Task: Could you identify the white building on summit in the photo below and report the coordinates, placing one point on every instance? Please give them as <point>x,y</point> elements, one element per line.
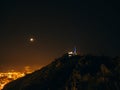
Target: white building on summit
<point>72,53</point>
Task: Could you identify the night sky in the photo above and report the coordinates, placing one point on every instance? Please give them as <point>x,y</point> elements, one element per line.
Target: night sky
<point>57,27</point>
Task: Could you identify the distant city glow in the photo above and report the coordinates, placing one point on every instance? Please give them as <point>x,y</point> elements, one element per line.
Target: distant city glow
<point>6,77</point>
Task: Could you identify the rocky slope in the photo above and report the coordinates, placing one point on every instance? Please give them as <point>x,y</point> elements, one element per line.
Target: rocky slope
<point>73,73</point>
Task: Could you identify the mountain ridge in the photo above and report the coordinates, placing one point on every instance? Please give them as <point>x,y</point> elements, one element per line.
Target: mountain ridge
<point>77,72</point>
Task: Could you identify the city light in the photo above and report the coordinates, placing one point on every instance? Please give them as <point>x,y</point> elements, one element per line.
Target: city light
<point>6,77</point>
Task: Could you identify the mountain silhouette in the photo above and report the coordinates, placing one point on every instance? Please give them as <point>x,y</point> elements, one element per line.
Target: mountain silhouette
<point>76,72</point>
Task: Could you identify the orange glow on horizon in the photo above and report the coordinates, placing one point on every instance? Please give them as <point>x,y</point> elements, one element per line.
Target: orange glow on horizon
<point>6,77</point>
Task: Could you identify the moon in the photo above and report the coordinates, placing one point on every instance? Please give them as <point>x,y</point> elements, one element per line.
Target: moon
<point>32,39</point>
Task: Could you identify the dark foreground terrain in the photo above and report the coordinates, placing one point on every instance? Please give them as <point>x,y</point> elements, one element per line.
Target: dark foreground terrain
<point>73,73</point>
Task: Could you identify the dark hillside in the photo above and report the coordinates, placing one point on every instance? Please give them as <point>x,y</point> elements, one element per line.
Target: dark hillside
<point>73,73</point>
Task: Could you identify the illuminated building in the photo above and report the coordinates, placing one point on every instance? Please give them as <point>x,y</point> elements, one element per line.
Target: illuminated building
<point>72,53</point>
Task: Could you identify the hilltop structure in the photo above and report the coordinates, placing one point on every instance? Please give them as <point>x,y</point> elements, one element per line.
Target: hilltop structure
<point>72,53</point>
